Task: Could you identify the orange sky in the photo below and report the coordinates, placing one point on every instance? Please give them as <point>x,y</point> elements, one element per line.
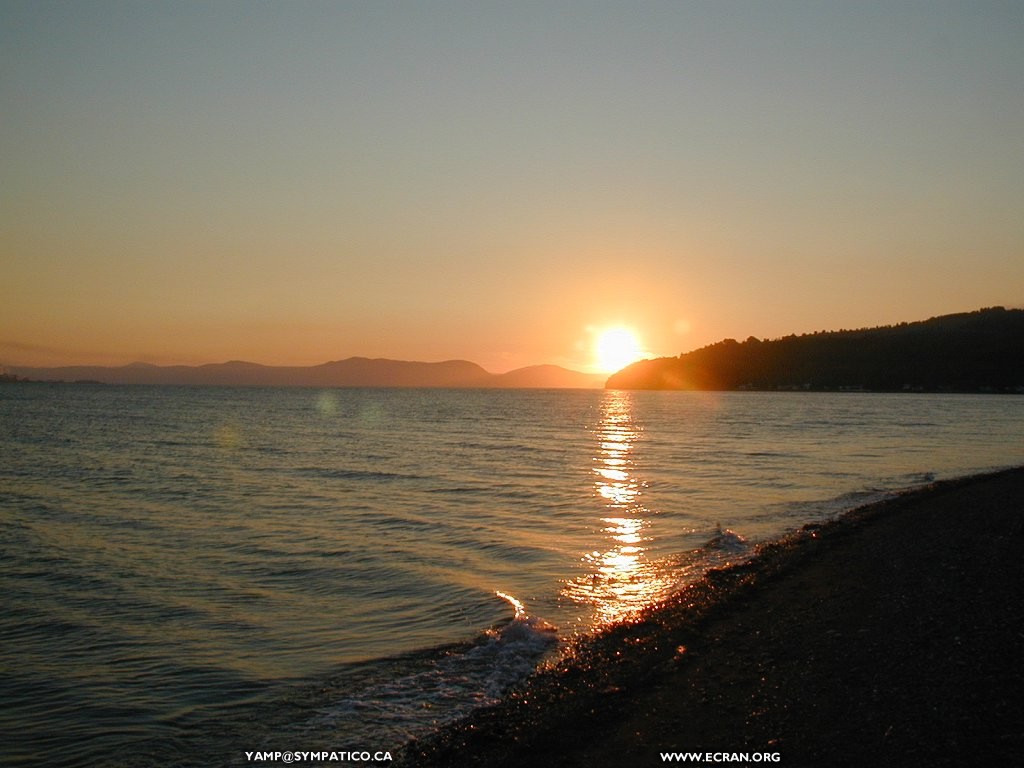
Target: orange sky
<point>295,183</point>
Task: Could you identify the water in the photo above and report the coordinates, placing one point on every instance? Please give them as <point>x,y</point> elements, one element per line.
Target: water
<point>189,573</point>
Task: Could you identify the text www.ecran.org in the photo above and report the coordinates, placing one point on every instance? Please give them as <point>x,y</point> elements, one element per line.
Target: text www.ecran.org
<point>721,757</point>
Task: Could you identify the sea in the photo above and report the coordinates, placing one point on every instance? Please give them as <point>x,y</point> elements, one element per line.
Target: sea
<point>196,576</point>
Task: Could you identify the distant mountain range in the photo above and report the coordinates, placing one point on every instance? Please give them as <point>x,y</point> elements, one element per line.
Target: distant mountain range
<point>353,372</point>
<point>979,351</point>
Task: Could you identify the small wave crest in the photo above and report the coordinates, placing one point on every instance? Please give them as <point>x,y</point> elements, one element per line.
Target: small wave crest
<point>525,638</point>
<point>727,540</point>
<point>725,547</point>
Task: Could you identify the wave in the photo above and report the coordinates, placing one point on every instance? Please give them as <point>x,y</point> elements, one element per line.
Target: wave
<point>389,701</point>
<point>533,633</point>
<point>727,540</point>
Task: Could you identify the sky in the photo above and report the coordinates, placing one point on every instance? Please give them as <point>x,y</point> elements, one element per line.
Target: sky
<point>295,182</point>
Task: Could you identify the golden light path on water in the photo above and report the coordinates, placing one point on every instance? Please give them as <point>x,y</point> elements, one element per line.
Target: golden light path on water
<point>620,578</point>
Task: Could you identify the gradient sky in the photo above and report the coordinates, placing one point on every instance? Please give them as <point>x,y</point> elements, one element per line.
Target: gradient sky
<point>296,182</point>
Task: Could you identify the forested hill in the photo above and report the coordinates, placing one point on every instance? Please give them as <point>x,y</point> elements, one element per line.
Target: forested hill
<point>979,351</point>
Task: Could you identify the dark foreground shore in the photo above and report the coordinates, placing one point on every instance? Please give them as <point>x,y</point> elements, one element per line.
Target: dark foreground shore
<point>891,637</point>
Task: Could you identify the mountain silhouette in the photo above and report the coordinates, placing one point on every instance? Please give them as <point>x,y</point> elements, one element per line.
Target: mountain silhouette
<point>979,351</point>
<point>352,372</point>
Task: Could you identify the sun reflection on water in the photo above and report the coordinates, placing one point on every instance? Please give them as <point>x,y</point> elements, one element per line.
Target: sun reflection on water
<point>619,578</point>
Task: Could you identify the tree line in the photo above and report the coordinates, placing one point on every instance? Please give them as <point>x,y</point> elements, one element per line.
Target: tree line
<point>969,352</point>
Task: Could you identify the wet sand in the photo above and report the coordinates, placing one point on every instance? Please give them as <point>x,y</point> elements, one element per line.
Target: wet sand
<point>891,637</point>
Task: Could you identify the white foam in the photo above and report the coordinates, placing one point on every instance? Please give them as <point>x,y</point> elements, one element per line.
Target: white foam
<point>727,540</point>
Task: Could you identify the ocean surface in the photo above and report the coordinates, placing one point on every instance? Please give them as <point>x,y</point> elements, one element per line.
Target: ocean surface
<point>190,574</point>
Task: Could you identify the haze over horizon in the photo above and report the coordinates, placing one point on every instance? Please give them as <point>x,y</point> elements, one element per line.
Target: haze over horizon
<point>290,184</point>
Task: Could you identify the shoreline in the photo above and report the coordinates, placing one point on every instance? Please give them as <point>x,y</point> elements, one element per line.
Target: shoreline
<point>893,635</point>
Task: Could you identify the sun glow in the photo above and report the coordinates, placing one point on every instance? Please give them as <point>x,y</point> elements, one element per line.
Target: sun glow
<point>615,348</point>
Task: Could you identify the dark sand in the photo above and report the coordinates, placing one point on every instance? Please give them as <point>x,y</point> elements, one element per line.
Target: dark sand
<point>892,637</point>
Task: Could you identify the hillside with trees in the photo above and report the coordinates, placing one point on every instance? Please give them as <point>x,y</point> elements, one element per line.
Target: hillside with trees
<point>979,351</point>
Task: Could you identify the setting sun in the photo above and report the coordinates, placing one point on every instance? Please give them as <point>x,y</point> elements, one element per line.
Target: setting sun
<point>615,348</point>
